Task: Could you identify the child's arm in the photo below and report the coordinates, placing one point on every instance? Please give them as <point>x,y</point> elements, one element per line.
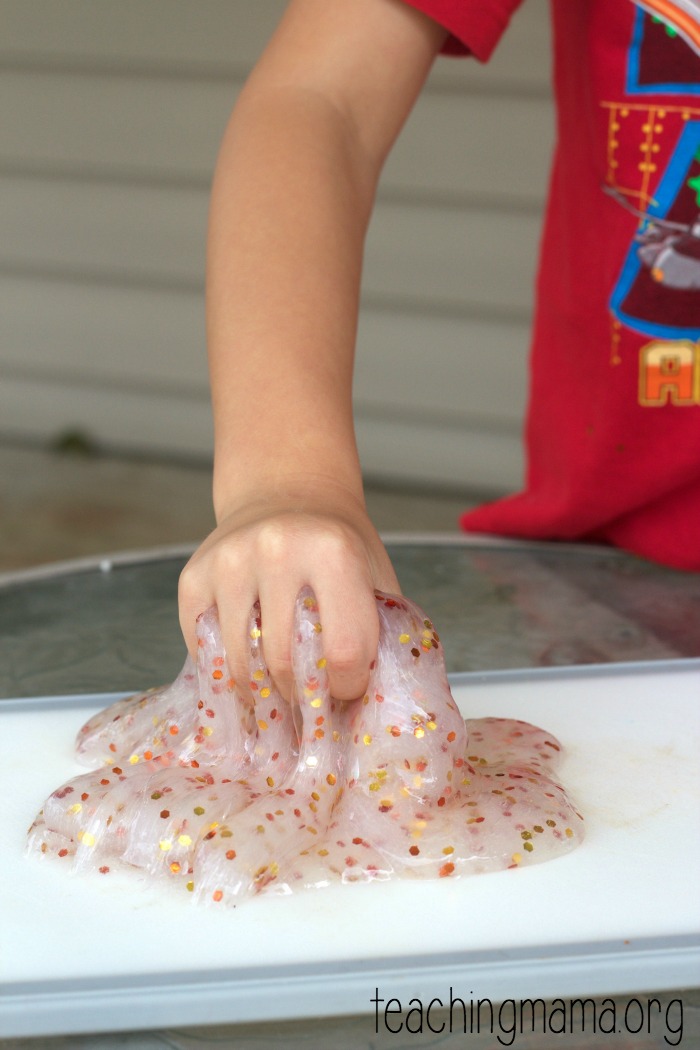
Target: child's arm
<point>292,196</point>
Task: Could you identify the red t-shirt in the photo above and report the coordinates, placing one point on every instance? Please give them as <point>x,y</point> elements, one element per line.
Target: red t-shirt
<point>613,426</point>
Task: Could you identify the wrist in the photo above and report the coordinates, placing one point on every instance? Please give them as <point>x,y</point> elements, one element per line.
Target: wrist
<point>303,492</point>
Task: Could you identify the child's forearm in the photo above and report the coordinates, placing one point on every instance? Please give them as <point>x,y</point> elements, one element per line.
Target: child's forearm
<point>292,196</point>
<point>291,200</point>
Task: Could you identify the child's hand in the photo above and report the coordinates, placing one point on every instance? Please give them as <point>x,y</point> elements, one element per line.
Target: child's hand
<point>268,548</point>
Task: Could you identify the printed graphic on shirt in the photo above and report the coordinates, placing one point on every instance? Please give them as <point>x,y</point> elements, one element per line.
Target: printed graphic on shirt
<point>660,59</point>
<point>654,171</point>
<point>658,291</point>
<point>669,372</point>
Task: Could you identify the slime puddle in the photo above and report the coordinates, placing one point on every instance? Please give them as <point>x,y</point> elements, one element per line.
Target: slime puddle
<point>229,799</point>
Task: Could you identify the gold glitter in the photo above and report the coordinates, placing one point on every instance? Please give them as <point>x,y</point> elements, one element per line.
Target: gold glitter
<point>318,628</point>
<point>207,730</point>
<point>315,796</point>
<point>316,702</point>
<point>525,834</point>
<point>165,845</point>
<point>270,782</point>
<point>418,732</point>
<point>133,760</point>
<point>569,833</point>
<point>367,739</point>
<point>262,724</point>
<point>321,663</point>
<point>175,867</point>
<point>189,886</point>
<point>516,858</point>
<point>323,853</point>
<point>403,638</point>
<point>75,808</point>
<point>431,725</point>
<point>184,840</point>
<point>87,839</point>
<point>374,787</point>
<point>447,850</point>
<point>255,633</point>
<point>198,810</point>
<point>264,693</point>
<point>330,779</point>
<point>258,675</point>
<point>529,847</point>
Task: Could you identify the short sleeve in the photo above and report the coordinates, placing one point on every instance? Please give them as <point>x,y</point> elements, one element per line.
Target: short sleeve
<point>475,26</point>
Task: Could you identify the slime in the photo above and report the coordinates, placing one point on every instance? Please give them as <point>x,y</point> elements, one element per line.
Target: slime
<point>229,798</point>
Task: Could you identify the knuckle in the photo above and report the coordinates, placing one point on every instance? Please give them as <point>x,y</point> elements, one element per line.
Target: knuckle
<point>337,544</point>
<point>273,542</point>
<point>188,583</point>
<point>346,659</point>
<point>228,560</point>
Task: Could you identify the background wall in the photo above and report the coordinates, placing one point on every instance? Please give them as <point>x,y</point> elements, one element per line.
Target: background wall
<point>110,118</point>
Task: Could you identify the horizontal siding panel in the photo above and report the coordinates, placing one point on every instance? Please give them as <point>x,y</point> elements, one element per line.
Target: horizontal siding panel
<point>439,255</point>
<point>438,367</point>
<point>75,332</point>
<point>159,127</point>
<point>143,421</point>
<point>185,32</point>
<point>139,231</point>
<point>214,33</point>
<point>475,258</point>
<point>37,407</point>
<point>463,459</point>
<point>135,339</point>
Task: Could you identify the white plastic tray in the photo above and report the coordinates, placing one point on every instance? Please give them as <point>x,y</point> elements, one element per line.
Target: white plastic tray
<point>620,914</point>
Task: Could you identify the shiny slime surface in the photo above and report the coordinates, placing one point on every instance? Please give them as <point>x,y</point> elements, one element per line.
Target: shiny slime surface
<point>195,784</point>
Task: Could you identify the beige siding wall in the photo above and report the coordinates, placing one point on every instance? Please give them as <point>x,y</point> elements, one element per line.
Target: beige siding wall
<point>111,114</point>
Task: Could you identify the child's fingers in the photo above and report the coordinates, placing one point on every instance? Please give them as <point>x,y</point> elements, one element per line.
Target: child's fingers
<point>350,625</point>
<point>240,631</point>
<point>277,598</point>
<point>215,576</point>
<point>195,594</point>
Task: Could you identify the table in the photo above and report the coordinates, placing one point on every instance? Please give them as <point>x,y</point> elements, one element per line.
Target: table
<point>501,608</point>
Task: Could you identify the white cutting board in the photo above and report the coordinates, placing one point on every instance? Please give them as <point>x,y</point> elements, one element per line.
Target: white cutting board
<point>632,741</point>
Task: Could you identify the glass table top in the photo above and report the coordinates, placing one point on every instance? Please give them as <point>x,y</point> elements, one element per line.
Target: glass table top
<point>111,625</point>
